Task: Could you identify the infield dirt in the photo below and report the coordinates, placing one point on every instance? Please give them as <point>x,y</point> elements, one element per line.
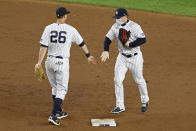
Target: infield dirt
<point>169,68</point>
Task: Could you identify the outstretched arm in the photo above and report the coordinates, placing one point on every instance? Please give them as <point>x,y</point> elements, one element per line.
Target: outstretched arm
<point>105,53</point>
<point>108,40</point>
<point>77,38</point>
<point>42,53</point>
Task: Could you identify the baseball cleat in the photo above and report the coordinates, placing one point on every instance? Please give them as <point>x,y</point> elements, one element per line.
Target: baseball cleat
<point>53,119</point>
<point>61,114</point>
<point>117,110</point>
<point>144,107</point>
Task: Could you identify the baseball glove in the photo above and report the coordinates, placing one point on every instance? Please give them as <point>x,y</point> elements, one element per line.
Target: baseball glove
<point>123,35</point>
<point>39,73</point>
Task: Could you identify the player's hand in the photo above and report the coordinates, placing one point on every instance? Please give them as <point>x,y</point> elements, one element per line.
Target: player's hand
<point>39,73</point>
<point>38,64</point>
<point>127,44</point>
<point>92,60</point>
<point>104,56</point>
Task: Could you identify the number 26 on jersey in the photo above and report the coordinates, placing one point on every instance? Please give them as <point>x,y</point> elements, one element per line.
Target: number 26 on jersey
<point>57,37</point>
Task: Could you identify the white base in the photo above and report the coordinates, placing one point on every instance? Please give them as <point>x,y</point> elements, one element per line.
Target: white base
<point>103,122</point>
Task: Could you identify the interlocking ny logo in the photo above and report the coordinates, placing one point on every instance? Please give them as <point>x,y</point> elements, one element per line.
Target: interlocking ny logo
<point>116,12</point>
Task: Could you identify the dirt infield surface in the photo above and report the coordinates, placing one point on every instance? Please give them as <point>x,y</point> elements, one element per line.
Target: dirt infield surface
<point>169,67</point>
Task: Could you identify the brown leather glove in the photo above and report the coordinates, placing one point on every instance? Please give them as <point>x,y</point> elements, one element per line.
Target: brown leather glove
<point>123,35</point>
<point>39,73</point>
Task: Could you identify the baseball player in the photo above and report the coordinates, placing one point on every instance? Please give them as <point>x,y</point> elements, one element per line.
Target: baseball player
<point>130,37</point>
<point>57,38</point>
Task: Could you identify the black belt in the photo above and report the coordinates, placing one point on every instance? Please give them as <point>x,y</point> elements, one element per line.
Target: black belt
<point>128,56</point>
<point>60,57</point>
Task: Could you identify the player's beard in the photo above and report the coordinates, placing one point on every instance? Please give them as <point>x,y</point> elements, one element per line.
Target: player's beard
<point>119,21</point>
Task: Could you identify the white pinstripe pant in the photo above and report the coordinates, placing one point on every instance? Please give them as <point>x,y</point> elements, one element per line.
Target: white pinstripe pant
<point>58,75</point>
<point>135,66</point>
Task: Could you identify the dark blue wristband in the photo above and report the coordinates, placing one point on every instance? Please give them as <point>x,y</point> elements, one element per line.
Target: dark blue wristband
<point>88,55</point>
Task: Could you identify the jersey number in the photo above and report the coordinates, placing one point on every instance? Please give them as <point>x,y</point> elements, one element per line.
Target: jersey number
<point>57,37</point>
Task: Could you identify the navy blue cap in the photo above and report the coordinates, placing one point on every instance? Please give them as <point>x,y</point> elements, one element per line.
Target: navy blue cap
<point>60,12</point>
<point>120,12</point>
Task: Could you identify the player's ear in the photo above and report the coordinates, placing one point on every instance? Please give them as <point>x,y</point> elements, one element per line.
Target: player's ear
<point>65,16</point>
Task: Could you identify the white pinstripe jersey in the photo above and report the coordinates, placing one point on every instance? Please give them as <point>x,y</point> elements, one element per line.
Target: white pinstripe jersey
<point>136,32</point>
<point>58,38</point>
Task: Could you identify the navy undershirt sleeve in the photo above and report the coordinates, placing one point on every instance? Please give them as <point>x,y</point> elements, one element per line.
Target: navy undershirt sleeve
<point>137,42</point>
<point>43,45</point>
<point>107,43</point>
<point>82,44</point>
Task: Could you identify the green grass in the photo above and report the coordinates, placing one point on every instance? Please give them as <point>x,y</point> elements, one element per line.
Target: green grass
<point>176,7</point>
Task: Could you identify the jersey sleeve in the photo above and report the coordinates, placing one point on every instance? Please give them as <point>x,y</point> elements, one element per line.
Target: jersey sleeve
<point>45,38</point>
<point>138,32</point>
<point>111,33</point>
<point>76,37</point>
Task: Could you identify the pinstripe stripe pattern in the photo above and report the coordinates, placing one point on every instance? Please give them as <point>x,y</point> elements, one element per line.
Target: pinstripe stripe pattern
<point>57,48</point>
<point>58,75</point>
<point>135,32</point>
<point>133,64</point>
<point>58,38</point>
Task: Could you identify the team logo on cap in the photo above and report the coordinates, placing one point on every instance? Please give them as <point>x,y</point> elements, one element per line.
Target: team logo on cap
<point>116,12</point>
